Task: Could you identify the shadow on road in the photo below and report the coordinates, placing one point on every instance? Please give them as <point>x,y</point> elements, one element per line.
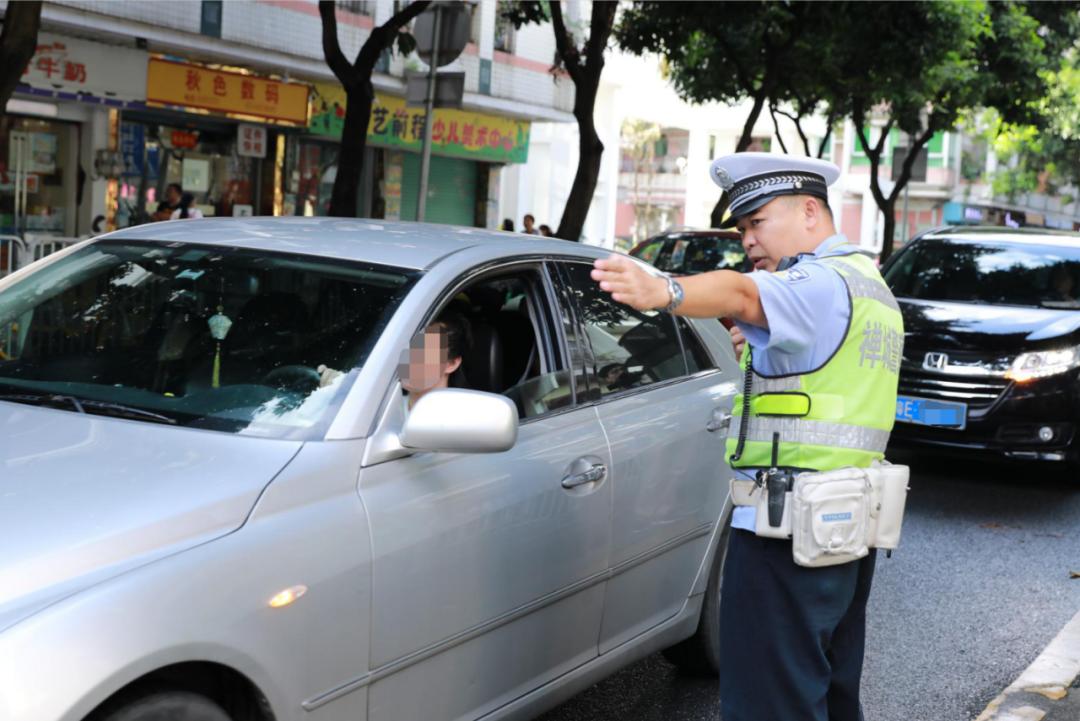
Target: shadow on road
<point>651,690</point>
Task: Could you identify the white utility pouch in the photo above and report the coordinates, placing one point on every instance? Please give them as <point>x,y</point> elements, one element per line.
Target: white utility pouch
<point>830,517</point>
<point>889,487</point>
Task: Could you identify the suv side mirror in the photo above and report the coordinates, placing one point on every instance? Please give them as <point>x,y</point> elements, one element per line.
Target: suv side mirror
<point>461,421</point>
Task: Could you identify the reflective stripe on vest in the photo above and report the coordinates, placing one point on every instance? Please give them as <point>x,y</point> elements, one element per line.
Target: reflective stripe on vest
<point>852,398</point>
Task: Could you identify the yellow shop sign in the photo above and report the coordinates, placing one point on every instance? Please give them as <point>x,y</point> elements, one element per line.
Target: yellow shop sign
<point>223,91</point>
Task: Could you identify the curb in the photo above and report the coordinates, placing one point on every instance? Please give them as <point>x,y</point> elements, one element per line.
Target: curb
<point>1044,686</point>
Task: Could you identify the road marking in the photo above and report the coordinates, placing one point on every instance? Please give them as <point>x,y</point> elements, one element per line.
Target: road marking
<point>1049,677</point>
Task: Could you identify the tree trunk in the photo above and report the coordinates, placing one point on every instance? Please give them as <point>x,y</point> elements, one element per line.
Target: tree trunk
<point>590,152</point>
<point>747,137</point>
<point>22,20</point>
<point>346,194</point>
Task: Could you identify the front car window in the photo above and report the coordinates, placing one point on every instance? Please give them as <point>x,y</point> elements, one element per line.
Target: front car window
<point>225,339</point>
<point>988,272</point>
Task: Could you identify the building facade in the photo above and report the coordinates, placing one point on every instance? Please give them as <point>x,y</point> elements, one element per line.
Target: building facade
<point>234,102</point>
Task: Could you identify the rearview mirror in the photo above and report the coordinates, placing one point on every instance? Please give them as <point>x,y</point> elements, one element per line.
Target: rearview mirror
<point>461,421</point>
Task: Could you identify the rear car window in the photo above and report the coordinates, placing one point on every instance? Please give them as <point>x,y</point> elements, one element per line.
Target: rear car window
<point>629,348</point>
<point>1001,273</point>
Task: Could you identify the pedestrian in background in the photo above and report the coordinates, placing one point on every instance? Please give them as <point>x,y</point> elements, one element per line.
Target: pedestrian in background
<point>817,321</point>
<point>173,193</point>
<point>508,225</point>
<point>528,225</point>
<point>187,208</point>
<point>545,230</point>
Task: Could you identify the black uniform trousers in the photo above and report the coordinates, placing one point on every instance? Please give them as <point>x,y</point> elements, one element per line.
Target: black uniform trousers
<point>791,638</point>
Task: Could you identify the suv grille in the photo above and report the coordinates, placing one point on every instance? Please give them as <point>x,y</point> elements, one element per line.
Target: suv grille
<point>976,392</point>
<point>968,379</point>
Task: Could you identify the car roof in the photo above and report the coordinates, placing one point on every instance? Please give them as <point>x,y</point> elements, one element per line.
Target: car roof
<point>1000,234</point>
<point>696,233</point>
<point>393,243</point>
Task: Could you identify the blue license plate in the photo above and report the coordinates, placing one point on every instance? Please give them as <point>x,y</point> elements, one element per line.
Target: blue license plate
<point>927,412</point>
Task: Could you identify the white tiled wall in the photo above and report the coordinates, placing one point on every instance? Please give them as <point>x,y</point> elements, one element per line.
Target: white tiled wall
<point>295,28</point>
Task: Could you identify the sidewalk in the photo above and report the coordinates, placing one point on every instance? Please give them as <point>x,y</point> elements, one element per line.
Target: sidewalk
<point>1049,689</point>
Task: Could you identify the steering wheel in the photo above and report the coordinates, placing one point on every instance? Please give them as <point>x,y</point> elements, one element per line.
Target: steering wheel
<point>293,377</point>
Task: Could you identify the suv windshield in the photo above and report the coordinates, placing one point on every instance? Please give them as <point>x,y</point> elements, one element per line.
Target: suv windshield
<point>219,338</point>
<point>1000,273</point>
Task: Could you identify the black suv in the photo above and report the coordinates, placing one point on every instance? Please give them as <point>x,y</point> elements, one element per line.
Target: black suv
<point>992,350</point>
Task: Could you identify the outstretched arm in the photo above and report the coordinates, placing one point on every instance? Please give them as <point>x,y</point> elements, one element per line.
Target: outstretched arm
<point>708,295</point>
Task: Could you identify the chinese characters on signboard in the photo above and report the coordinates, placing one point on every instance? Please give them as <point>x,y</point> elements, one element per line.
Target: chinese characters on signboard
<point>86,68</point>
<point>195,86</point>
<point>458,133</point>
<point>251,141</point>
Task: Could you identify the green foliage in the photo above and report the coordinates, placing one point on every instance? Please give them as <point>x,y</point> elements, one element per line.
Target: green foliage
<point>1043,155</point>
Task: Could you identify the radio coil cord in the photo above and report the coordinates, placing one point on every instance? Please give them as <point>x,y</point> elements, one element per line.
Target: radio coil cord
<point>744,422</point>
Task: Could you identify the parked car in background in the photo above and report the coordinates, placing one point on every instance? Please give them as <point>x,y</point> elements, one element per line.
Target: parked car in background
<point>196,526</point>
<point>686,252</point>
<point>991,359</point>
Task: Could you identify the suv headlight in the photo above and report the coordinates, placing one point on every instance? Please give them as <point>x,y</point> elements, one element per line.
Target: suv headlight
<point>1040,364</point>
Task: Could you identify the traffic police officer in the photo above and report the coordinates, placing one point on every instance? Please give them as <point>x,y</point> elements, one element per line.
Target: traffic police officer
<point>818,321</point>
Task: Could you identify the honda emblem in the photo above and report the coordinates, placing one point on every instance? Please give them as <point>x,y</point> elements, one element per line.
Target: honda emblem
<point>935,361</point>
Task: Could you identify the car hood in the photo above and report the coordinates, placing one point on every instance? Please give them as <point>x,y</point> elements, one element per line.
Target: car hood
<point>939,325</point>
<point>83,498</point>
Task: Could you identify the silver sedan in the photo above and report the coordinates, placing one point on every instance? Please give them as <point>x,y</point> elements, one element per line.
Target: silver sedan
<point>200,522</point>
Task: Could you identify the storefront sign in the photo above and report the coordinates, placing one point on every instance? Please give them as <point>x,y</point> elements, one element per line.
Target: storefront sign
<point>223,91</point>
<point>457,133</point>
<point>251,141</point>
<point>183,139</point>
<point>63,64</point>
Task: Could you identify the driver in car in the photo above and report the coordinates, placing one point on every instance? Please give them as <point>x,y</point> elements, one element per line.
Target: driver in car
<point>432,359</point>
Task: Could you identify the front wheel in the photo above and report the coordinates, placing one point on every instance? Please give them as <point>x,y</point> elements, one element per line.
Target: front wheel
<point>164,706</point>
<point>699,655</point>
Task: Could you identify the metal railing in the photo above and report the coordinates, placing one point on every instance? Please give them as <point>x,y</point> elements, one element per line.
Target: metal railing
<point>12,252</point>
<point>16,252</point>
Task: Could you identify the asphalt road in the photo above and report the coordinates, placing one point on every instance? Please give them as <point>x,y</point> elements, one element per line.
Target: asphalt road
<point>981,583</point>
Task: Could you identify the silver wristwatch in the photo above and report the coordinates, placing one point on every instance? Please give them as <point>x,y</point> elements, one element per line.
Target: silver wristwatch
<point>675,293</point>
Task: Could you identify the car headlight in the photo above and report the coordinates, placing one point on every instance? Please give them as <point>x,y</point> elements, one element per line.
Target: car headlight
<point>1040,364</point>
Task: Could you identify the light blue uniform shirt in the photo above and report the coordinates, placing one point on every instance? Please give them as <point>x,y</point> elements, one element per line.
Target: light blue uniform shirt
<point>808,310</point>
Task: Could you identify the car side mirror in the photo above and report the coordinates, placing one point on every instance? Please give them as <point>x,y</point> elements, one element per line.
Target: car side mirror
<point>461,421</point>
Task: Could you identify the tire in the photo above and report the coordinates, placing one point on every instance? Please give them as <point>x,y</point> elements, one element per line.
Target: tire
<point>699,655</point>
<point>164,706</point>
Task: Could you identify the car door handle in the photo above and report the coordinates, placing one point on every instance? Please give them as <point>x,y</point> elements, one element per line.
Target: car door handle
<point>592,475</point>
<point>721,421</point>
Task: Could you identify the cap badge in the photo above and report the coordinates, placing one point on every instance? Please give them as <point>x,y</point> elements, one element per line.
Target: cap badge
<point>723,178</point>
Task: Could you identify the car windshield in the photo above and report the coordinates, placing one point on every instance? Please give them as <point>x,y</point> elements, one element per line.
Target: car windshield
<point>225,339</point>
<point>999,273</point>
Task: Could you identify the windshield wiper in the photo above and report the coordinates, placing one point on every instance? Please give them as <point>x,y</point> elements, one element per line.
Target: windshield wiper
<point>86,406</point>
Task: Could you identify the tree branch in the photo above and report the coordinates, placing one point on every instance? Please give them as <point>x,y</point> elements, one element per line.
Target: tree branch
<point>18,40</point>
<point>341,67</point>
<point>829,122</point>
<point>567,50</point>
<point>603,19</point>
<point>776,126</point>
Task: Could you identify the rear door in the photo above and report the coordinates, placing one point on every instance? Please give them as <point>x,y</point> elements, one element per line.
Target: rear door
<point>659,407</point>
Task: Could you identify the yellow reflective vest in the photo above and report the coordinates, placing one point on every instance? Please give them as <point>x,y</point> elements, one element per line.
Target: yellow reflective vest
<point>840,414</point>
